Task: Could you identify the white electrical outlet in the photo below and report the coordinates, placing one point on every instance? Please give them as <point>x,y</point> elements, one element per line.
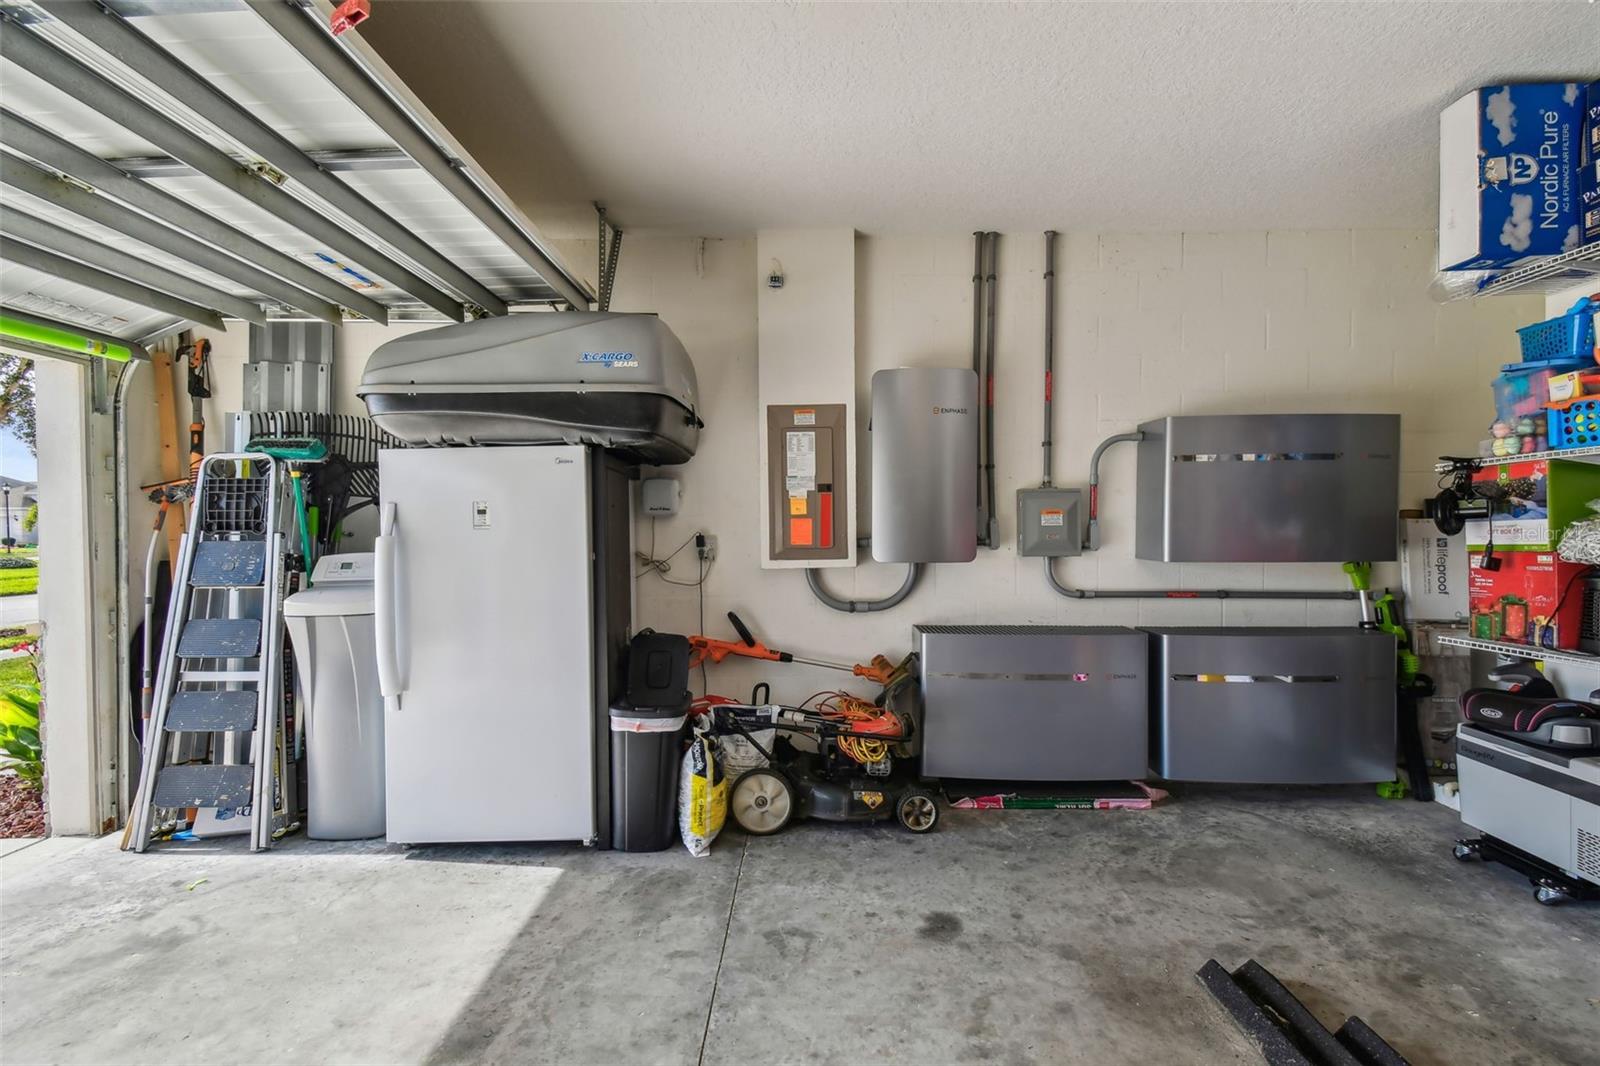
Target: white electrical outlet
<point>708,550</point>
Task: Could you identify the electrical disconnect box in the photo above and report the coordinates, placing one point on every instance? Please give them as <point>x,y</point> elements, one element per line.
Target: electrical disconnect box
<point>806,480</point>
<point>924,433</point>
<point>1049,522</point>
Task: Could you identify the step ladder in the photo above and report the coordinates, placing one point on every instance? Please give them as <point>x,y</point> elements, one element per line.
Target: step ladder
<point>215,738</point>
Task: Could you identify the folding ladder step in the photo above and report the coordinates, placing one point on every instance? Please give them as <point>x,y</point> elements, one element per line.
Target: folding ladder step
<point>212,712</point>
<point>220,638</point>
<point>204,786</point>
<point>229,564</point>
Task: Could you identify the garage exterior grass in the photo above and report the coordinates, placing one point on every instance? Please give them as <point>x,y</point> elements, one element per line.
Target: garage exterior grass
<point>22,582</point>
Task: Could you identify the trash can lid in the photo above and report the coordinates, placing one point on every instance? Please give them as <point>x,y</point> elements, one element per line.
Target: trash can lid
<point>343,598</point>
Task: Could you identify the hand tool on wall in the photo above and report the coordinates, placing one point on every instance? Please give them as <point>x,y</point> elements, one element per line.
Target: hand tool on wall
<point>197,357</point>
<point>703,648</point>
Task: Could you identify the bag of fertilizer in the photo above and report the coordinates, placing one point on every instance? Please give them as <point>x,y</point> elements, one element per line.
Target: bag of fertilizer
<point>738,754</point>
<point>702,796</point>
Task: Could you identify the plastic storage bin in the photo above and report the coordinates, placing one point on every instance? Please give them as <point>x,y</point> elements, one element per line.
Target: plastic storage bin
<point>1563,338</point>
<point>1523,392</point>
<point>1575,425</point>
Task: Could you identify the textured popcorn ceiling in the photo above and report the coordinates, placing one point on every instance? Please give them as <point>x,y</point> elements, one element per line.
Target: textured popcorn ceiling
<point>715,119</point>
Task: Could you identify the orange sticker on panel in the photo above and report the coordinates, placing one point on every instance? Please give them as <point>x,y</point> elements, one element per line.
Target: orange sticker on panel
<point>797,505</point>
<point>800,532</point>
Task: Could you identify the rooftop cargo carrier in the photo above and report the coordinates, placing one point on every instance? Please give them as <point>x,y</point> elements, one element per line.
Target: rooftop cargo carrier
<point>618,381</point>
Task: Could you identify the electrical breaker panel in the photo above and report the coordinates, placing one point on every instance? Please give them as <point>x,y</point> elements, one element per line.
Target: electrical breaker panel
<point>807,483</point>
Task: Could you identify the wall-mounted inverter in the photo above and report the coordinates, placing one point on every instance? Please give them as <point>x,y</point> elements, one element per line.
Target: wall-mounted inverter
<point>924,432</point>
<point>1268,488</point>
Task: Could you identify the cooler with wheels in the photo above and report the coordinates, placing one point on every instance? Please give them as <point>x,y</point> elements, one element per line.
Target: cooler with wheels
<point>335,657</point>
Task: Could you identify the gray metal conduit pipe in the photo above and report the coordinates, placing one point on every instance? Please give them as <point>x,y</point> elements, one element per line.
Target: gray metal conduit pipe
<point>894,599</point>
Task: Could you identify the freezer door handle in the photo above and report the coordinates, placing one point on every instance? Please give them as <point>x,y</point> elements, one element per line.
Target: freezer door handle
<point>386,607</point>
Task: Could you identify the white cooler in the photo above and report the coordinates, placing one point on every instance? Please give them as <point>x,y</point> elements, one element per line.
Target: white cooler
<point>336,667</point>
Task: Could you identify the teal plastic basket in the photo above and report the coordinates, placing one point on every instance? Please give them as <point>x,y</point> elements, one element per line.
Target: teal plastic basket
<point>1569,336</point>
<point>1575,426</point>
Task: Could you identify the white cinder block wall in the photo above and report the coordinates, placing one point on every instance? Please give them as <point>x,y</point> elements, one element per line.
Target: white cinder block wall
<point>1148,325</point>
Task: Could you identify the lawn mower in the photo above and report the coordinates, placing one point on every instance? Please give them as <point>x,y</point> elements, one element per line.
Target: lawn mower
<point>855,775</point>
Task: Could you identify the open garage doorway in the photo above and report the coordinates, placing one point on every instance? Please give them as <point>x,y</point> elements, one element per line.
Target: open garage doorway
<point>59,610</point>
<point>21,749</point>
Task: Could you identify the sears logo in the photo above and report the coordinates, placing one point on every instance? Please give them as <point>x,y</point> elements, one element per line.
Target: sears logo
<point>949,410</point>
<point>1490,712</point>
<point>614,360</point>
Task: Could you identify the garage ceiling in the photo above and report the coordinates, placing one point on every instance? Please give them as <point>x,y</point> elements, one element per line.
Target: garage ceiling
<point>170,162</point>
<point>719,118</point>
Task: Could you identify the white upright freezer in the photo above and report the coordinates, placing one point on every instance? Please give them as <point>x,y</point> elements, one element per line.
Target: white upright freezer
<point>487,644</point>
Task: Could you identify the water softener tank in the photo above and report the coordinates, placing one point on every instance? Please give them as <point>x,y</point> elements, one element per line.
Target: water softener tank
<point>924,433</point>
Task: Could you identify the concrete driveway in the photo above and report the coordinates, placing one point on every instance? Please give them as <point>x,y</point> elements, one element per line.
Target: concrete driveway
<point>19,610</point>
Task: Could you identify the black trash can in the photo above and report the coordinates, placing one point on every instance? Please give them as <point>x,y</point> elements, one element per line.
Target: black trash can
<point>646,755</point>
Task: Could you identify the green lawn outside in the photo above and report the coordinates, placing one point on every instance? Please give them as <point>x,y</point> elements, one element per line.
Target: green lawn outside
<point>19,582</point>
<point>15,672</point>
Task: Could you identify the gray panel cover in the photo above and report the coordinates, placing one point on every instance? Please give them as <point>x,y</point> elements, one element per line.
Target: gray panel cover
<point>1306,706</point>
<point>1268,488</point>
<point>1034,703</point>
<point>924,432</point>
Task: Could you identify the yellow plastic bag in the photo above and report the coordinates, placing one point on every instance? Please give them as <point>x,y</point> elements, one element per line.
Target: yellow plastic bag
<point>702,796</point>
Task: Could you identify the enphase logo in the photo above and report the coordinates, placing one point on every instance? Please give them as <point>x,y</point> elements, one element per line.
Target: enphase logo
<point>948,410</point>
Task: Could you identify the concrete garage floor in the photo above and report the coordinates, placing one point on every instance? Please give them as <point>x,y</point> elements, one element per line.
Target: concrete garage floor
<point>1025,936</point>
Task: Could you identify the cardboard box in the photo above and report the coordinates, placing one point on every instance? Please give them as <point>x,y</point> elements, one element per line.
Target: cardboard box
<point>1589,198</point>
<point>1433,572</point>
<point>1509,157</point>
<point>1534,598</point>
<point>1589,169</point>
<point>1544,497</point>
<point>1591,123</point>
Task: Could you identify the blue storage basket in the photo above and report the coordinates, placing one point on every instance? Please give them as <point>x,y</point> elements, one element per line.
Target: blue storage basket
<point>1568,336</point>
<point>1575,426</point>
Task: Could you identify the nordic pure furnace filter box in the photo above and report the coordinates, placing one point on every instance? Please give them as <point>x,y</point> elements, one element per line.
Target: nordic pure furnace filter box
<point>1508,174</point>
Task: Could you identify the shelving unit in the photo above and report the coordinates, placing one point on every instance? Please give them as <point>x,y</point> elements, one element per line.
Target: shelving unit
<point>1520,651</point>
<point>1581,455</point>
<point>1554,274</point>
